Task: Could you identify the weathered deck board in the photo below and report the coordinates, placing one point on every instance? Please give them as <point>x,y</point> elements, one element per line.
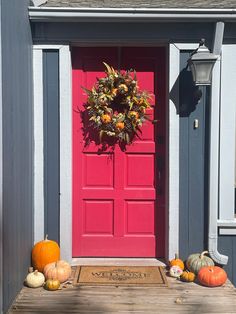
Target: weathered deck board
<point>178,298</point>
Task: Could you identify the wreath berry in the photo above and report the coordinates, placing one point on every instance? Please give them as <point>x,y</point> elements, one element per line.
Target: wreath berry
<point>116,107</point>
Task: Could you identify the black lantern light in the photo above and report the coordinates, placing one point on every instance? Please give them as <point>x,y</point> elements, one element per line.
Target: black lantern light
<point>201,64</point>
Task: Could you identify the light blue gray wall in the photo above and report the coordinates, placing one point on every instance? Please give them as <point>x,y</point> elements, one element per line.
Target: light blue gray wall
<point>17,145</point>
<point>125,32</point>
<point>227,246</point>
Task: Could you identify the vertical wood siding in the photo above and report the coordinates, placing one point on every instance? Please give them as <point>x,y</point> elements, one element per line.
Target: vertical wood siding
<point>51,143</point>
<point>17,145</point>
<point>227,246</point>
<point>192,162</point>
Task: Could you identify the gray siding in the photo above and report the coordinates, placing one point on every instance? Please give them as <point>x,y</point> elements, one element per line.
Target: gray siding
<point>128,33</point>
<point>227,246</point>
<point>193,214</point>
<point>153,33</point>
<point>51,144</point>
<point>17,146</point>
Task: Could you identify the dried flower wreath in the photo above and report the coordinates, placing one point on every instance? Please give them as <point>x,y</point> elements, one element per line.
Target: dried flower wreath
<point>116,107</point>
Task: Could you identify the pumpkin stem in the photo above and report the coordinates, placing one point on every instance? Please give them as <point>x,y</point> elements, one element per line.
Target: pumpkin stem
<point>36,272</point>
<point>30,270</point>
<point>176,255</point>
<point>46,237</point>
<point>203,253</point>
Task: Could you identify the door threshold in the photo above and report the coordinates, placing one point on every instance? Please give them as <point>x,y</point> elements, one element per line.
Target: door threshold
<point>102,261</point>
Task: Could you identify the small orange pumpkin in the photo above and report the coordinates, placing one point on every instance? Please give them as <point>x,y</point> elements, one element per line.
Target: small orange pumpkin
<point>52,284</point>
<point>105,118</point>
<point>177,262</point>
<point>60,270</point>
<point>188,276</point>
<point>212,276</point>
<point>45,252</point>
<point>120,125</point>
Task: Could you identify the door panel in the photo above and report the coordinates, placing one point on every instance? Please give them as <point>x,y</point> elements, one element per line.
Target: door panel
<point>116,210</point>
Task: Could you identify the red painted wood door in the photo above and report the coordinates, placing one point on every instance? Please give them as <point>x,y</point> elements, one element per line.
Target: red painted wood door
<point>118,197</point>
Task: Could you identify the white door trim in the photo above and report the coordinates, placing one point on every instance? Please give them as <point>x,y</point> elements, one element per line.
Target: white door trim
<point>172,230</point>
<point>65,78</point>
<point>65,147</point>
<point>173,186</point>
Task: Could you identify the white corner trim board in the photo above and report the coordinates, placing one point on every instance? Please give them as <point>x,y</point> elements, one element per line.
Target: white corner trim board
<point>38,145</point>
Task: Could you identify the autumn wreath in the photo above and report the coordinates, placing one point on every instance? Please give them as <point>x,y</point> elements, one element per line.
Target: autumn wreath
<point>116,107</point>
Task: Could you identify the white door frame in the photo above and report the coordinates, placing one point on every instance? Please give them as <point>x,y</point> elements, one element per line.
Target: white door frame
<point>172,155</point>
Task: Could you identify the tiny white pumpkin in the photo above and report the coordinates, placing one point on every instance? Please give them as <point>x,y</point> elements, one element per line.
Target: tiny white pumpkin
<point>35,279</point>
<point>175,271</point>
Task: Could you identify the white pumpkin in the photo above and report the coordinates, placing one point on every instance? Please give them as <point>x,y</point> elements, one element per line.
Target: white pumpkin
<point>175,271</point>
<point>35,279</point>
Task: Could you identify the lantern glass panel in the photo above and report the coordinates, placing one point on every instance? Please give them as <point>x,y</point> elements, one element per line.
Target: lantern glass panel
<point>202,70</point>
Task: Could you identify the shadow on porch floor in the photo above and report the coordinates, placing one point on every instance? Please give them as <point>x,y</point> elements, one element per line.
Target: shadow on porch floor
<point>179,298</point>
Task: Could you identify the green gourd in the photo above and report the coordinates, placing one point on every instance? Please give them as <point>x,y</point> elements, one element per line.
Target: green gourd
<point>196,261</point>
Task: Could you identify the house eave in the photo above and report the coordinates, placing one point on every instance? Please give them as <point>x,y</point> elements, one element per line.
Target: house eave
<point>72,14</point>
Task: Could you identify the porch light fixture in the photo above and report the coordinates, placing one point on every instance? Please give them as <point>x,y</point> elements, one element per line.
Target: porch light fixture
<point>201,64</point>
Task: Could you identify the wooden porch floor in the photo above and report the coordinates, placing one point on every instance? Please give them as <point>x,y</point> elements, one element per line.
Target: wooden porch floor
<point>179,297</point>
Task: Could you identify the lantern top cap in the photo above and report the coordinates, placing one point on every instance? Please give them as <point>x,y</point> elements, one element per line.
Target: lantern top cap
<point>202,52</point>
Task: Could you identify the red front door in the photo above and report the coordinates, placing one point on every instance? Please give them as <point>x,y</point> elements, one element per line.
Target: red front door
<point>118,197</point>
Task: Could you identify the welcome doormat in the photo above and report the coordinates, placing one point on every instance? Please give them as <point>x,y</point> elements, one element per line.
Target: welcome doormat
<point>120,275</point>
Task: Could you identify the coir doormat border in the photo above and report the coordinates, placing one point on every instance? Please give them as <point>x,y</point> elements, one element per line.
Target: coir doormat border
<point>120,276</point>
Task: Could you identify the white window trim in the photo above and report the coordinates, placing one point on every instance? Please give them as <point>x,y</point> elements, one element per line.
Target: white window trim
<point>172,230</point>
<point>227,142</point>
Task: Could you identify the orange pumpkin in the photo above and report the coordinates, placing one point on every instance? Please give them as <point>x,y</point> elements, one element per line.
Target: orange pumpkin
<point>212,276</point>
<point>120,125</point>
<point>188,276</point>
<point>60,270</point>
<point>105,118</point>
<point>177,262</point>
<point>45,252</point>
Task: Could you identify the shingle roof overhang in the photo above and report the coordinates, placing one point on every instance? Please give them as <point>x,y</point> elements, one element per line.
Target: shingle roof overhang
<point>72,14</point>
